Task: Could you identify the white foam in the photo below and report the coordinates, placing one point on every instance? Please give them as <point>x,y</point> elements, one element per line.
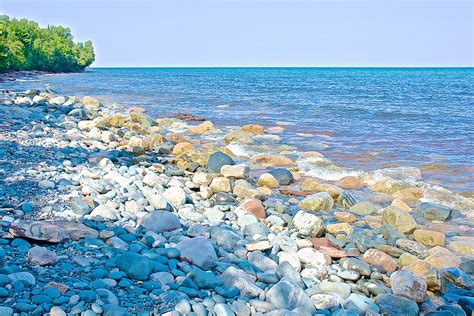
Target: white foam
<point>324,169</point>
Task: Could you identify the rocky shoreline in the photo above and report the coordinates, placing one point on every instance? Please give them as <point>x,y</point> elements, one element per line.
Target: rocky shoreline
<point>107,211</point>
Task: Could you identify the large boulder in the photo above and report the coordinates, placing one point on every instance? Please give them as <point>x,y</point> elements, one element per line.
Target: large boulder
<point>136,266</point>
<point>199,251</point>
<point>217,160</point>
<point>160,221</point>
<point>286,294</point>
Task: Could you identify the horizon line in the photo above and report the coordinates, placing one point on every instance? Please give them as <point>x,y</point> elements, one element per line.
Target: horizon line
<point>270,67</point>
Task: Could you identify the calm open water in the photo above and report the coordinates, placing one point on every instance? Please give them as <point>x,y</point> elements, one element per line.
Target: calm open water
<point>359,118</point>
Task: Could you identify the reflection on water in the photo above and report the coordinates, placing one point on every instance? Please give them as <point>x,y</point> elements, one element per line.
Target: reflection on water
<point>359,118</point>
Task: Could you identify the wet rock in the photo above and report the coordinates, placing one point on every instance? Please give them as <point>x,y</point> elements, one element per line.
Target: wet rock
<point>407,284</point>
<point>199,251</point>
<point>273,160</point>
<point>350,182</point>
<point>41,256</point>
<point>457,277</point>
<point>217,160</point>
<point>253,129</point>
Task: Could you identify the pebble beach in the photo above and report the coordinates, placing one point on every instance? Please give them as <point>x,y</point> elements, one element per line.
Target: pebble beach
<point>107,210</point>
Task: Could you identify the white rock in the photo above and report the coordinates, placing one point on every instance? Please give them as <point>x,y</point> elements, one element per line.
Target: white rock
<point>152,179</point>
<point>313,257</point>
<point>105,211</point>
<point>175,196</point>
<point>290,257</point>
<point>308,224</point>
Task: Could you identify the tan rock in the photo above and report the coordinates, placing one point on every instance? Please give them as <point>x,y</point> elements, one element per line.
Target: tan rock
<point>331,189</point>
<point>345,217</point>
<point>220,184</point>
<point>310,184</point>
<point>182,148</point>
<point>463,246</point>
<point>426,271</point>
<point>267,180</point>
<point>340,227</point>
<point>238,136</point>
<point>204,127</point>
<point>243,191</point>
<point>253,129</point>
<point>440,258</point>
<point>321,201</point>
<point>273,160</point>
<point>399,219</point>
<point>409,194</point>
<point>406,259</point>
<point>429,237</point>
<point>240,171</point>
<point>401,205</point>
<point>363,208</point>
<point>374,256</point>
<point>349,182</point>
<point>259,245</point>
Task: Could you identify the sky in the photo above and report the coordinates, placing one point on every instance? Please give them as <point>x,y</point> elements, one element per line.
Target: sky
<point>263,33</point>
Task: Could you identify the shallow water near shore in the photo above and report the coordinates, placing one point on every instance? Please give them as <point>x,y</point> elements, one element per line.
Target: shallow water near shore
<point>360,119</point>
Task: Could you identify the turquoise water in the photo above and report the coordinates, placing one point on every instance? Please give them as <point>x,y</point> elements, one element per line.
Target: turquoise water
<point>363,119</point>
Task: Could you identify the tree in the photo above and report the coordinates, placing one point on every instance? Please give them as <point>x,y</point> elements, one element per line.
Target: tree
<point>26,46</point>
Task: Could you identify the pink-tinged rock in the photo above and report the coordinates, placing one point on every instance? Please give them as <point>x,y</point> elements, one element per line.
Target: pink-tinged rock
<point>336,253</point>
<point>380,258</point>
<point>288,191</point>
<point>199,251</point>
<point>41,256</point>
<point>253,206</point>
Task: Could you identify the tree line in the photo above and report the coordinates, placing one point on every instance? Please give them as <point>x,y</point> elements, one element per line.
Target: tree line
<point>24,45</point>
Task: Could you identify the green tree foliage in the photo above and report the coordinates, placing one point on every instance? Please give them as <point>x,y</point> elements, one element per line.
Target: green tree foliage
<point>26,46</point>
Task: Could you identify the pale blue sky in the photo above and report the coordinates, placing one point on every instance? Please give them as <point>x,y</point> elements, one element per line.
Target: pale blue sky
<point>263,32</point>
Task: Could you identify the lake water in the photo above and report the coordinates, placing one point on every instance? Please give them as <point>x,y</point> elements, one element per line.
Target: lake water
<point>361,119</point>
